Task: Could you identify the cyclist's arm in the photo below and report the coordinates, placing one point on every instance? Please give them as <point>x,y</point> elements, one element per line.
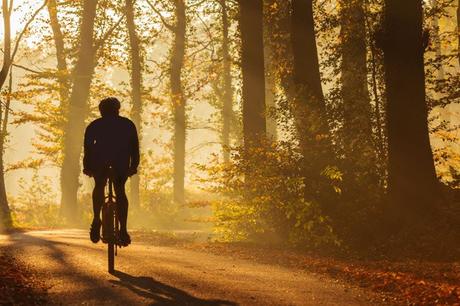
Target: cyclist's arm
<point>88,145</point>
<point>135,156</point>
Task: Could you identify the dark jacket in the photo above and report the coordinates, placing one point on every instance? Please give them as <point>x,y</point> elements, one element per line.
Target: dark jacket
<point>111,141</point>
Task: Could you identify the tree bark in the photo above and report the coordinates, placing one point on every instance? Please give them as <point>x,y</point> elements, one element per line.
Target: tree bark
<point>136,89</point>
<point>309,105</point>
<point>360,156</point>
<point>458,31</point>
<point>5,214</point>
<point>77,112</point>
<point>252,64</point>
<point>227,108</point>
<point>7,43</point>
<point>62,68</point>
<point>270,90</point>
<point>437,38</point>
<point>412,182</point>
<point>61,56</point>
<point>178,100</point>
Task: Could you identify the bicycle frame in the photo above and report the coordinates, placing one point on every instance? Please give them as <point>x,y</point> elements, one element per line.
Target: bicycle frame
<point>110,223</point>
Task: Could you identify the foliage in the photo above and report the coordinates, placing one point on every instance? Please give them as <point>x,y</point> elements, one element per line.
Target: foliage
<point>269,205</point>
<point>283,200</point>
<point>36,206</point>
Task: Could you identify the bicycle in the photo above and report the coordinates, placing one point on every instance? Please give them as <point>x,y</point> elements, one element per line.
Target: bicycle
<point>110,224</point>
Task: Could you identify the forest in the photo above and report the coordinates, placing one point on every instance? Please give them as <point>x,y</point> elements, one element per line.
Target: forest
<point>285,138</point>
<point>312,124</point>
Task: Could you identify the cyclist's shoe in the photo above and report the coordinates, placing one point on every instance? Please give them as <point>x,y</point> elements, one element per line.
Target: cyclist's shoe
<point>125,239</point>
<point>95,231</point>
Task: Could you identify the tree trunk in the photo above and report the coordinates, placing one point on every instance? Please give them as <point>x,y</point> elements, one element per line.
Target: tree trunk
<point>63,72</point>
<point>412,183</point>
<point>178,100</point>
<point>360,157</point>
<point>227,108</point>
<point>61,56</point>
<point>252,63</point>
<point>6,42</point>
<point>136,88</point>
<point>381,140</point>
<point>5,214</point>
<point>270,90</point>
<point>458,31</point>
<point>437,38</point>
<point>309,106</point>
<point>77,113</point>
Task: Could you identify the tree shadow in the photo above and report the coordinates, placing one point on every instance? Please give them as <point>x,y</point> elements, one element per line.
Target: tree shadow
<point>160,293</point>
<point>64,269</point>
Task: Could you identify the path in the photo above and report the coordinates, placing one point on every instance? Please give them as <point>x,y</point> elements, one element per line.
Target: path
<point>75,271</point>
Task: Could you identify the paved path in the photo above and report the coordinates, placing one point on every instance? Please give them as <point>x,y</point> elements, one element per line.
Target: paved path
<point>74,269</point>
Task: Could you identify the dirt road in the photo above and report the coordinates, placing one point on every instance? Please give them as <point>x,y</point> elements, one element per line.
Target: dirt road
<point>75,271</point>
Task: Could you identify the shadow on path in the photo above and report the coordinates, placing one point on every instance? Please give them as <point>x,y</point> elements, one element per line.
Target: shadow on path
<point>161,294</point>
<point>63,269</point>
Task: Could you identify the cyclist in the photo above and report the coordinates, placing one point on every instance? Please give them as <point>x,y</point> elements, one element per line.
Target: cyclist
<point>110,141</point>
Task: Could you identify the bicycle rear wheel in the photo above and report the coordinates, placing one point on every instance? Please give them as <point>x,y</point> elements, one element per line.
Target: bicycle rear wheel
<point>109,234</point>
<point>111,253</point>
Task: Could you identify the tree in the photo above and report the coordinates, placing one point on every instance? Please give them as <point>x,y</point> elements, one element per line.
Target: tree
<point>177,94</point>
<point>178,100</point>
<point>309,105</point>
<point>270,70</point>
<point>136,87</point>
<point>61,56</point>
<point>9,54</point>
<point>252,64</point>
<point>360,156</point>
<point>458,31</point>
<point>412,183</point>
<point>437,37</point>
<point>77,111</point>
<point>62,73</point>
<point>5,215</point>
<point>227,108</point>
<point>270,95</point>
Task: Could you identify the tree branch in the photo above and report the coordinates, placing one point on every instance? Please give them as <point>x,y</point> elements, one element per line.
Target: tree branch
<point>106,36</point>
<point>16,47</point>
<point>163,20</point>
<point>27,69</point>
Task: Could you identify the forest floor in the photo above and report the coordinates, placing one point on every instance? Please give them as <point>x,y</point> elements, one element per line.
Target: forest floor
<point>18,286</point>
<point>401,281</point>
<point>167,269</point>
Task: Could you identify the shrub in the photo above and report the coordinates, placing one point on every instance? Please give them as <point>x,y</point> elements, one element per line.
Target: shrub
<point>265,197</point>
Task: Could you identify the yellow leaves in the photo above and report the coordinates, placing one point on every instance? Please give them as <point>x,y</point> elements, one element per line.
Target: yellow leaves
<point>263,191</point>
<point>321,137</point>
<point>30,163</point>
<point>333,173</point>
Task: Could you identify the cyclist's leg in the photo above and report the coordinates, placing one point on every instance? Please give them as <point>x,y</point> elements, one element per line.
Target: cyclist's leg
<point>122,201</point>
<point>98,201</point>
<point>98,195</point>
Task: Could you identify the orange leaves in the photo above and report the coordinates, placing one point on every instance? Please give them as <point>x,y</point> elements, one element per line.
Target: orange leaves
<point>414,283</point>
<point>404,282</point>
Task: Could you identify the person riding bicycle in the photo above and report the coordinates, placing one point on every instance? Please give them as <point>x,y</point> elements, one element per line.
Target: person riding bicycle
<point>110,141</point>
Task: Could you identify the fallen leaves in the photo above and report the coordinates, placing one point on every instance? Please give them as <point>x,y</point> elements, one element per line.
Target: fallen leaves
<point>404,282</point>
<point>17,287</point>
